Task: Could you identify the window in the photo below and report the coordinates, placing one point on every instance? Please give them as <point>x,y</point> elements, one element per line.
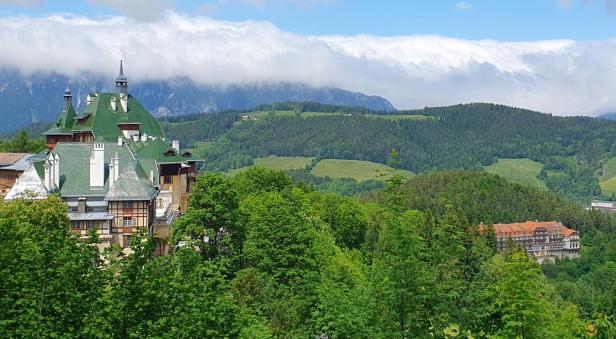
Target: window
<point>128,204</point>
<point>168,179</point>
<point>75,224</point>
<point>90,224</point>
<point>126,242</point>
<point>127,221</point>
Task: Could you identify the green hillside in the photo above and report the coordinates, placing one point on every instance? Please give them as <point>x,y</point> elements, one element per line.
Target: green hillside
<point>520,171</point>
<point>607,180</point>
<point>355,169</point>
<point>284,163</point>
<point>609,169</point>
<point>333,168</point>
<point>469,137</point>
<point>608,187</point>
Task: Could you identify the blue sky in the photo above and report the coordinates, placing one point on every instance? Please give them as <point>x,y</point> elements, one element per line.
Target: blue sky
<point>554,56</point>
<point>512,20</point>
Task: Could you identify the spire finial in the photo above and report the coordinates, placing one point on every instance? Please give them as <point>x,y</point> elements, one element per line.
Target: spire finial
<point>121,68</point>
<point>67,93</point>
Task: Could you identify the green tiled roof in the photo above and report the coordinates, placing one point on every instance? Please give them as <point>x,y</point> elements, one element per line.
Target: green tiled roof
<point>139,160</point>
<point>130,186</point>
<point>64,123</point>
<point>75,167</point>
<point>156,149</point>
<point>103,121</point>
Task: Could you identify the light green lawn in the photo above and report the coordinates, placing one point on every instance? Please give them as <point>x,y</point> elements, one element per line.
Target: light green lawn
<point>609,170</point>
<point>608,186</point>
<point>200,146</point>
<point>607,181</point>
<point>522,171</point>
<point>355,169</point>
<point>260,114</point>
<point>397,117</point>
<point>392,117</point>
<point>283,163</point>
<point>275,162</point>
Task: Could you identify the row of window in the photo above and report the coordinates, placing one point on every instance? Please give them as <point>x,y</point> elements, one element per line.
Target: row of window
<point>86,225</point>
<point>90,224</point>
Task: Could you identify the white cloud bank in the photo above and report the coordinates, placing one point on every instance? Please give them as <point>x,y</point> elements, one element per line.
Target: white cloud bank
<point>559,76</point>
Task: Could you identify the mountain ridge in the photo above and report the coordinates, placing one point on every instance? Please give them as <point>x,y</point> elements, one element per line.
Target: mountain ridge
<point>38,97</point>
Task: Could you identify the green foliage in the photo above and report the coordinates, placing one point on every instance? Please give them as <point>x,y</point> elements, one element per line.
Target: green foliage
<point>49,283</point>
<point>21,143</point>
<point>521,171</point>
<point>355,169</point>
<point>457,137</point>
<point>346,217</point>
<point>257,257</point>
<point>211,218</point>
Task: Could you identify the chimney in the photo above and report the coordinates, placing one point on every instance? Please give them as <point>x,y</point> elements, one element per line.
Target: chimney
<point>175,144</point>
<point>89,99</point>
<point>114,105</point>
<point>124,102</point>
<point>116,164</point>
<point>120,141</point>
<point>97,165</point>
<point>52,169</point>
<point>56,171</point>
<point>47,179</point>
<point>144,138</point>
<point>114,169</point>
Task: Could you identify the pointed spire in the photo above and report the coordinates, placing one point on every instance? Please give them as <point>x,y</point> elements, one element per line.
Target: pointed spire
<point>121,76</point>
<point>121,81</point>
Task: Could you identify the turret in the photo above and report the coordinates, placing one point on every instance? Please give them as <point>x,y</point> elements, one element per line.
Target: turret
<point>68,97</point>
<point>121,82</point>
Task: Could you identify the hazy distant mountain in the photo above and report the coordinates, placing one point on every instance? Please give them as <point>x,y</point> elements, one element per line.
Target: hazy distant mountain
<point>38,97</point>
<point>607,116</point>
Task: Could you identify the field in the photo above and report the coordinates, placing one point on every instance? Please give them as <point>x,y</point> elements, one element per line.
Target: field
<point>200,146</point>
<point>521,171</point>
<point>608,187</point>
<point>333,168</point>
<point>283,163</point>
<point>398,117</point>
<point>609,170</point>
<point>278,163</point>
<point>358,170</point>
<point>607,181</point>
<point>392,117</point>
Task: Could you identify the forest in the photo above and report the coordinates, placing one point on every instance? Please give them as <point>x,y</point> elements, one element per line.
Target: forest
<point>256,256</point>
<point>21,143</point>
<point>573,149</point>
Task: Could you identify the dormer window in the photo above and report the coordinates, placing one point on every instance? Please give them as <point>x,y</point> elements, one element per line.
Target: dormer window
<point>170,152</point>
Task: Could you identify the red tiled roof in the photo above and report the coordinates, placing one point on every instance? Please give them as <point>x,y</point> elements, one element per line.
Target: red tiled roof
<point>528,228</point>
<point>7,159</point>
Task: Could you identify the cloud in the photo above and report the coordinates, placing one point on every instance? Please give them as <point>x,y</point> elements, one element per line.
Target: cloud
<point>558,76</point>
<point>137,9</point>
<point>464,6</point>
<point>22,3</point>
